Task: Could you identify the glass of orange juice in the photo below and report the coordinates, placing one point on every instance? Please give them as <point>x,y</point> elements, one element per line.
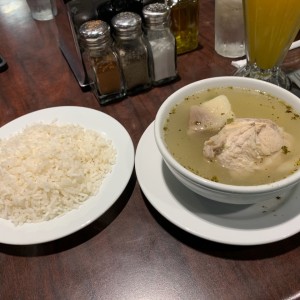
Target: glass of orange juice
<point>270,28</point>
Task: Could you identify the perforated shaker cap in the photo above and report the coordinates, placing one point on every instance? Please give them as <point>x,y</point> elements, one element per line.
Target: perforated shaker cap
<point>156,14</point>
<point>94,33</point>
<point>127,23</point>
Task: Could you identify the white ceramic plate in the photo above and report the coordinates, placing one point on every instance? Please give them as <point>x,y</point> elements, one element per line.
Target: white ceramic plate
<point>112,187</point>
<point>262,223</point>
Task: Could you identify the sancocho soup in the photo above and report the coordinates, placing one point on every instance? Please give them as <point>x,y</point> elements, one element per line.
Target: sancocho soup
<point>259,142</point>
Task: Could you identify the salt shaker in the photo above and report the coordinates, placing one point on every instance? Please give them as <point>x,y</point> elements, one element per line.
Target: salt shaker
<point>229,28</point>
<point>162,43</point>
<point>101,61</point>
<point>132,50</point>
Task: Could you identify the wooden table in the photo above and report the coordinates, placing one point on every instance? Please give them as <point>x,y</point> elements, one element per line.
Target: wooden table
<point>131,252</point>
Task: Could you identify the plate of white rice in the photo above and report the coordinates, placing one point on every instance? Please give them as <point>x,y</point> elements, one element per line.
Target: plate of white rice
<point>61,168</point>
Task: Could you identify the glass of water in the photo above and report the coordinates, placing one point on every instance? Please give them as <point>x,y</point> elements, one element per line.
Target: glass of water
<point>229,28</point>
<point>42,10</point>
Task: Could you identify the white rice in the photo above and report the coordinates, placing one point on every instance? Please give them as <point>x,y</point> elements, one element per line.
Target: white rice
<point>49,169</point>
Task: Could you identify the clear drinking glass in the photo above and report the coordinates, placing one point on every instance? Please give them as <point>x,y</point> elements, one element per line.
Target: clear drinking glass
<point>42,10</point>
<point>229,28</point>
<point>270,26</point>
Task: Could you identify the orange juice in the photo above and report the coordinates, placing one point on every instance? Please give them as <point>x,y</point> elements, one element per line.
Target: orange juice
<point>271,27</point>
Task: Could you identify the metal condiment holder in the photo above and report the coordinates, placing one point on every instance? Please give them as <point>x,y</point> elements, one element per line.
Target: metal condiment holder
<point>74,13</point>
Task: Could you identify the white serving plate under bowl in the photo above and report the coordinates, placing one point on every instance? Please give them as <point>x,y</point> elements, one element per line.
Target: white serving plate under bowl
<point>213,190</point>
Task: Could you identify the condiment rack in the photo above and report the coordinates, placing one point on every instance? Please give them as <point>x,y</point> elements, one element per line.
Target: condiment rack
<point>79,12</point>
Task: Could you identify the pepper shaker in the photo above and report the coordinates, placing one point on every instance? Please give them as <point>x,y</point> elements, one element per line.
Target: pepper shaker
<point>132,50</point>
<point>103,66</point>
<point>162,43</point>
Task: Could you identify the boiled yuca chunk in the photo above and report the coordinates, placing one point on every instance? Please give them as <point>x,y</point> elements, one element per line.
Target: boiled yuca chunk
<point>211,115</point>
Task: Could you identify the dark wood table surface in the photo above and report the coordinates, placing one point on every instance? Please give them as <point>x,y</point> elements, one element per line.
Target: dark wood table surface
<point>130,252</point>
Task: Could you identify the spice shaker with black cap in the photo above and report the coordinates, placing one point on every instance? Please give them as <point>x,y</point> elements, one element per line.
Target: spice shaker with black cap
<point>162,43</point>
<point>108,9</point>
<point>102,62</point>
<point>132,50</point>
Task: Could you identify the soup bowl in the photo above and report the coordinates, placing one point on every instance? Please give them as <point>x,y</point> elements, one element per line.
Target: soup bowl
<point>226,193</point>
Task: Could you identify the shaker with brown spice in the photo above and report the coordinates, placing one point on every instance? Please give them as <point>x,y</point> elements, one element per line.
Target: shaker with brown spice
<point>102,61</point>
